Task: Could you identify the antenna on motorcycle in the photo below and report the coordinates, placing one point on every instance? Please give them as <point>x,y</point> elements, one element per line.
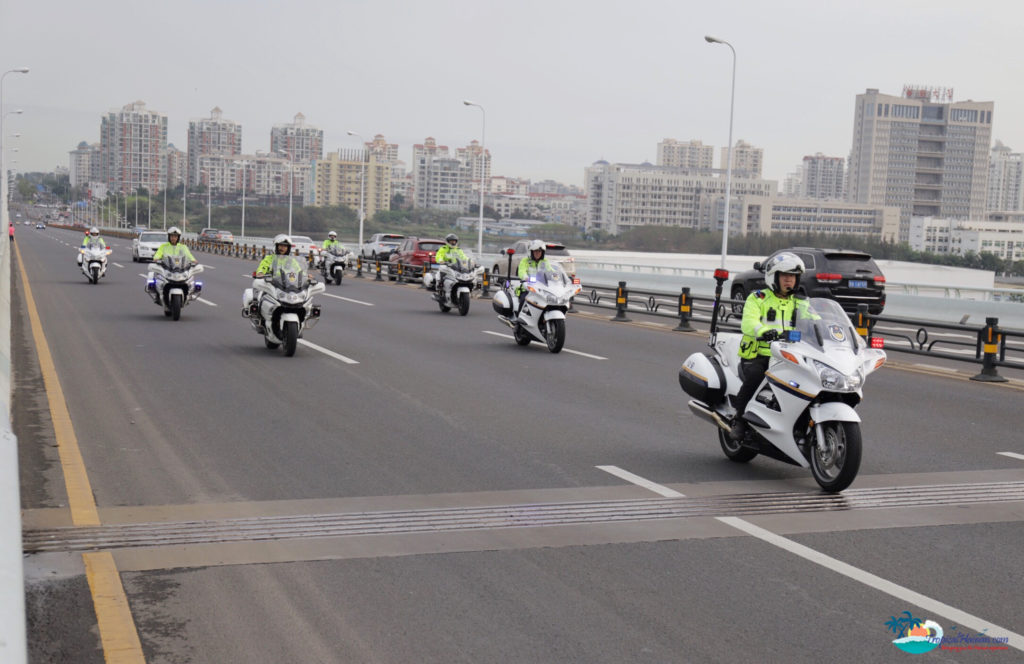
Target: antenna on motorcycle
<point>509,252</point>
<point>721,276</point>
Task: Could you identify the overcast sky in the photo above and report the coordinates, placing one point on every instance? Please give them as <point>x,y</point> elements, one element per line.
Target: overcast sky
<point>563,83</point>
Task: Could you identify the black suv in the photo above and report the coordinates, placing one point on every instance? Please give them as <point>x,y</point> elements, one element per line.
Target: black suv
<point>848,277</point>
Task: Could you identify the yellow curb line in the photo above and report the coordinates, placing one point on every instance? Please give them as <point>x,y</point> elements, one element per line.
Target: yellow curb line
<point>117,628</point>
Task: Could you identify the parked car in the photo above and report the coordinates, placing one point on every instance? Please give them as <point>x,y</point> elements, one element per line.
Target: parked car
<point>380,244</point>
<point>848,277</point>
<point>146,244</point>
<point>554,252</point>
<point>413,253</point>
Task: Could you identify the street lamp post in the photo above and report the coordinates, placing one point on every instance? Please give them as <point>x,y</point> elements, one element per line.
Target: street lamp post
<point>483,136</point>
<point>728,168</point>
<point>291,187</point>
<point>245,167</point>
<point>209,192</point>
<point>362,189</point>
<point>4,221</point>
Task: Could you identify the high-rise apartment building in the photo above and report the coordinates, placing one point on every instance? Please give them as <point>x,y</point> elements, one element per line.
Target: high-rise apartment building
<point>1005,179</point>
<point>132,145</point>
<point>85,164</point>
<point>348,177</point>
<point>213,137</point>
<point>822,177</point>
<point>177,163</point>
<point>747,161</point>
<point>266,178</point>
<point>439,180</point>
<point>301,142</point>
<point>479,168</point>
<point>924,155</point>
<point>386,152</point>
<point>692,154</point>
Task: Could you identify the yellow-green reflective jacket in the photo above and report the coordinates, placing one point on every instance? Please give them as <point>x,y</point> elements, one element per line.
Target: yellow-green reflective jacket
<point>271,263</point>
<point>168,249</point>
<point>763,311</point>
<point>450,254</point>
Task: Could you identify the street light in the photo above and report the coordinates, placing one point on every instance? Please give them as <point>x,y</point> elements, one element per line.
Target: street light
<point>728,168</point>
<point>483,134</point>
<point>291,186</point>
<point>362,200</point>
<point>245,168</point>
<point>4,221</point>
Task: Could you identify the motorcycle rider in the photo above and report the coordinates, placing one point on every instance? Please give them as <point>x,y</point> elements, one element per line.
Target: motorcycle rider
<point>173,246</point>
<point>534,261</point>
<point>332,240</point>
<point>449,253</point>
<point>92,235</point>
<point>767,314</point>
<point>281,259</point>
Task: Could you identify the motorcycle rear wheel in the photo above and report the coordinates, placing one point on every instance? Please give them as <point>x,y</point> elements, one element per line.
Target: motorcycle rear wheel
<point>463,304</point>
<point>836,460</point>
<point>522,337</point>
<point>291,337</point>
<point>732,449</point>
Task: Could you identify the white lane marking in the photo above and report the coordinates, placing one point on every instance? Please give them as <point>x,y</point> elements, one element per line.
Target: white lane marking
<point>329,353</point>
<point>118,264</point>
<point>639,481</point>
<point>930,605</point>
<point>348,299</point>
<point>1012,455</point>
<point>564,350</point>
<point>212,304</point>
<point>209,267</point>
<point>936,368</point>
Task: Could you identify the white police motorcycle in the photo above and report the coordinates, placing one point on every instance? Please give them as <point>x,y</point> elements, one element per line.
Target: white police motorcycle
<point>458,280</point>
<point>280,305</point>
<point>803,411</point>
<point>94,260</point>
<point>542,318</point>
<point>172,283</point>
<point>334,262</point>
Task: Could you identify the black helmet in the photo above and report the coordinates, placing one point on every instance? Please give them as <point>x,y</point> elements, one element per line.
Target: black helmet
<point>452,239</point>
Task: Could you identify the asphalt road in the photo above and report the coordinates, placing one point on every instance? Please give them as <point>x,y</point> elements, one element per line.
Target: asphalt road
<point>196,421</point>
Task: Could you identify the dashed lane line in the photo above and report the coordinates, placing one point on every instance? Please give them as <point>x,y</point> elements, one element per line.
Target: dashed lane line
<point>206,302</point>
<point>564,350</point>
<point>640,481</point>
<point>329,353</point>
<point>1012,455</point>
<point>118,265</point>
<point>348,299</point>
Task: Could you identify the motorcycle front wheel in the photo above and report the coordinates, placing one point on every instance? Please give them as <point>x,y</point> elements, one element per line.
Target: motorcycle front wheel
<point>732,450</point>
<point>175,306</point>
<point>556,335</point>
<point>291,337</point>
<point>463,304</point>
<point>835,460</point>
<point>94,275</point>
<point>338,274</point>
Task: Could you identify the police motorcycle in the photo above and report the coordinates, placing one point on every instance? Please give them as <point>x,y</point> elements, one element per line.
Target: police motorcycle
<point>542,318</point>
<point>280,304</point>
<point>334,262</point>
<point>94,259</point>
<point>172,283</point>
<point>803,412</point>
<point>458,280</point>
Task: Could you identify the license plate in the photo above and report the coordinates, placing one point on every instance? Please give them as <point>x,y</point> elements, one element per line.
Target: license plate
<point>858,283</point>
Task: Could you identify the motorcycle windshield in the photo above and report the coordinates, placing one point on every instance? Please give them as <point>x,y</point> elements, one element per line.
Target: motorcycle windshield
<point>823,324</point>
<point>550,275</point>
<point>290,277</point>
<point>96,245</point>
<point>463,265</point>
<point>174,263</point>
<point>337,250</point>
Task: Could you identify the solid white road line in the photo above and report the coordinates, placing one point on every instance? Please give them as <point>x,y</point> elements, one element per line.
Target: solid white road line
<point>639,481</point>
<point>119,265</point>
<point>956,616</point>
<point>348,299</point>
<point>212,304</point>
<point>564,350</point>
<point>1012,455</point>
<point>329,353</point>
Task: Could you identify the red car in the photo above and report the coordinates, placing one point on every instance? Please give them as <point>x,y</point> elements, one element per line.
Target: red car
<point>411,255</point>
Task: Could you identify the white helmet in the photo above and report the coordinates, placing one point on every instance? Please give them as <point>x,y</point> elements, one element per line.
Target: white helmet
<point>94,231</point>
<point>537,245</point>
<point>173,230</point>
<point>784,263</point>
<point>332,234</point>
<point>283,238</point>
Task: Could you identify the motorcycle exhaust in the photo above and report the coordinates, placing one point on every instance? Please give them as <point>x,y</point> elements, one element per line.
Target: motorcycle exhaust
<point>506,321</point>
<point>702,411</point>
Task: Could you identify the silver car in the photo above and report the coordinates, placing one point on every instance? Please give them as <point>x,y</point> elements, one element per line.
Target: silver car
<point>146,244</point>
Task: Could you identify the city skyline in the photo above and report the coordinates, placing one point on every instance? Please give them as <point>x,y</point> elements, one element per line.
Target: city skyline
<point>553,105</point>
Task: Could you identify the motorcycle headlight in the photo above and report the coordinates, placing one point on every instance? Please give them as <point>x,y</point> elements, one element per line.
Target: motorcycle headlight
<point>834,380</point>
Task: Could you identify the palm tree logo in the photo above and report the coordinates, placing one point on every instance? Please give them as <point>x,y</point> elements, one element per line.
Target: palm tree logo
<point>906,621</point>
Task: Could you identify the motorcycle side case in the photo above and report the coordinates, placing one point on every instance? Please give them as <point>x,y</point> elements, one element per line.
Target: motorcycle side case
<point>428,279</point>
<point>703,378</point>
<point>502,304</point>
